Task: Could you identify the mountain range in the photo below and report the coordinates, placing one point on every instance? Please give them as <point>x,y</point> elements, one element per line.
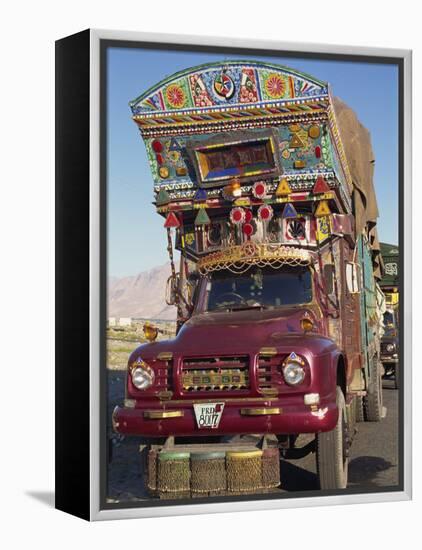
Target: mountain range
<point>141,295</point>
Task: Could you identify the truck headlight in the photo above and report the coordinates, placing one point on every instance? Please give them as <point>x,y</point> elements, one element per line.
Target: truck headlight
<point>293,370</point>
<point>142,376</point>
<point>390,347</point>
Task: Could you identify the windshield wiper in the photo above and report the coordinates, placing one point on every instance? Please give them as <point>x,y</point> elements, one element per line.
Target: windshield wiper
<point>246,306</point>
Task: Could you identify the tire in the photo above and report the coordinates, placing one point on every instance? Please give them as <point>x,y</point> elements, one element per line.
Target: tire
<point>373,400</point>
<point>396,377</point>
<point>359,413</point>
<point>331,459</point>
<point>351,419</point>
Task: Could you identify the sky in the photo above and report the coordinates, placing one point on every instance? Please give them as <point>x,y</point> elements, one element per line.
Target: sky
<point>136,237</point>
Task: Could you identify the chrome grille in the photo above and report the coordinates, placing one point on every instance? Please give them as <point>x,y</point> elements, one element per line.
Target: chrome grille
<point>163,370</point>
<point>270,376</point>
<point>224,373</point>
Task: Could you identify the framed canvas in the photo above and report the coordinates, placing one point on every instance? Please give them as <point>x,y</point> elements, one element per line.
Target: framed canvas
<point>233,275</point>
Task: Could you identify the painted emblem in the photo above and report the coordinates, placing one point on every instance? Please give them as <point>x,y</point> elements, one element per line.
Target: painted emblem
<point>275,86</point>
<point>248,90</point>
<point>296,229</point>
<point>199,91</point>
<point>189,239</point>
<point>249,249</point>
<point>323,228</point>
<point>174,145</point>
<point>175,96</point>
<point>224,85</point>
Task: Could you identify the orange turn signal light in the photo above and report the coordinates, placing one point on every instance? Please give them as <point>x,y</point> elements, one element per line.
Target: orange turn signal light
<point>233,189</point>
<point>150,332</point>
<point>306,324</point>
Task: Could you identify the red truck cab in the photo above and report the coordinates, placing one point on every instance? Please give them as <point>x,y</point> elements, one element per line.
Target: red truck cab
<point>261,349</point>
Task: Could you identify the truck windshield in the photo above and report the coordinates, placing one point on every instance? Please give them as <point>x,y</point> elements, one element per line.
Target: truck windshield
<point>258,288</point>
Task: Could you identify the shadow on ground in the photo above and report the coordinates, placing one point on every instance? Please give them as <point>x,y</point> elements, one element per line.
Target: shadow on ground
<point>45,497</point>
<point>294,478</point>
<point>365,469</point>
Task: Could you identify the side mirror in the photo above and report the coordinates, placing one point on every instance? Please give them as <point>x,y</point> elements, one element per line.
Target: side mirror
<point>172,290</point>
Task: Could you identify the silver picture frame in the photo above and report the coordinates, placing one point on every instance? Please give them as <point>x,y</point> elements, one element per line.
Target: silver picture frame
<point>96,451</point>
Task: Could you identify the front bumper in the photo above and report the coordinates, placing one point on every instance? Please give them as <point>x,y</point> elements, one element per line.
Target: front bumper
<point>276,416</point>
<point>389,359</point>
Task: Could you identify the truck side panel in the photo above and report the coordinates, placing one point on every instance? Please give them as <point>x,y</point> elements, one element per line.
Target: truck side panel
<point>350,316</point>
<point>369,308</point>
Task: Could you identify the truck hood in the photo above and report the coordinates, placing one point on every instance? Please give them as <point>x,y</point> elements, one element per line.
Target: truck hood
<point>241,332</point>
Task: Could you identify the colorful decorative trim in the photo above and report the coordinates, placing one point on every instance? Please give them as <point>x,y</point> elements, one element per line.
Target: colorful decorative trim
<point>234,82</point>
<point>238,259</point>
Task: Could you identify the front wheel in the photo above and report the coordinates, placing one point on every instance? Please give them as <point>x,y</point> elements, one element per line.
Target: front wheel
<point>331,450</point>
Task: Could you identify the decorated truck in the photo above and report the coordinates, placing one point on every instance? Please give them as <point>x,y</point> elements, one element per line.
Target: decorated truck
<point>390,338</point>
<point>264,182</point>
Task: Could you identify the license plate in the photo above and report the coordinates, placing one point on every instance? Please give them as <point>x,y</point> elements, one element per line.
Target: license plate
<point>208,415</point>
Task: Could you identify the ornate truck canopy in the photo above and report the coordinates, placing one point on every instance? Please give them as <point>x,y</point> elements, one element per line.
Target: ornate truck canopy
<point>247,145</point>
<point>285,116</point>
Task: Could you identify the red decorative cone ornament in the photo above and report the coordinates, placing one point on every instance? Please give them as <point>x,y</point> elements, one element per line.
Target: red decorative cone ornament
<point>321,186</point>
<point>172,221</point>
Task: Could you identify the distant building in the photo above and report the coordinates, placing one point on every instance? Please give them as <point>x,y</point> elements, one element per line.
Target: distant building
<point>125,321</point>
<point>390,279</point>
<point>112,321</point>
<point>391,259</point>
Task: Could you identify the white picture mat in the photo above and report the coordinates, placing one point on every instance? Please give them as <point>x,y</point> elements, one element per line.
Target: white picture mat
<point>96,513</point>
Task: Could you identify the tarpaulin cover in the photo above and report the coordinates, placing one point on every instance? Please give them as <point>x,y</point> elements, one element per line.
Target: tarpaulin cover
<point>360,156</point>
